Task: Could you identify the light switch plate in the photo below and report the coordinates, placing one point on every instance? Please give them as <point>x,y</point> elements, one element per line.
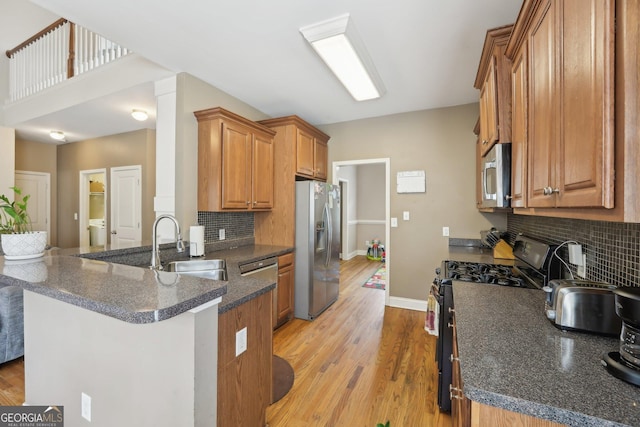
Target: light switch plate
<point>405,215</point>
<point>86,406</point>
<point>241,341</point>
<point>445,231</point>
<point>394,222</point>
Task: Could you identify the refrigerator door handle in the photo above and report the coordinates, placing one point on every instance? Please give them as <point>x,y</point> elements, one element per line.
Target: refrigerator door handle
<point>327,215</point>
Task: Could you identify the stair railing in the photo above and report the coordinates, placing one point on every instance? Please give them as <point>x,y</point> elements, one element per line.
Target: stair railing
<point>57,53</point>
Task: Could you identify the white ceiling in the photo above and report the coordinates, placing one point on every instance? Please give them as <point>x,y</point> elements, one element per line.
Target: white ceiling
<point>426,51</point>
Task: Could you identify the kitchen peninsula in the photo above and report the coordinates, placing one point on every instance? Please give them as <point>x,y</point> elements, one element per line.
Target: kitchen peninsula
<point>124,339</point>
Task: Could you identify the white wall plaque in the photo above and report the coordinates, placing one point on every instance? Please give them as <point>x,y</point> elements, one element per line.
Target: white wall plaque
<point>411,182</point>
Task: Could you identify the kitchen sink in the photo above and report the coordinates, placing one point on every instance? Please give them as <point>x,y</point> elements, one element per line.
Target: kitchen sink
<point>215,269</point>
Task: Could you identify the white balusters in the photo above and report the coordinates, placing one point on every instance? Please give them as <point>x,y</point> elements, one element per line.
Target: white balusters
<point>43,62</point>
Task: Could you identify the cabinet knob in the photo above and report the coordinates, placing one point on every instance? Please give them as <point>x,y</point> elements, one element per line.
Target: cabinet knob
<point>508,197</point>
<point>484,142</point>
<point>248,202</point>
<point>451,358</point>
<point>556,190</point>
<point>451,310</point>
<point>450,325</point>
<point>547,191</point>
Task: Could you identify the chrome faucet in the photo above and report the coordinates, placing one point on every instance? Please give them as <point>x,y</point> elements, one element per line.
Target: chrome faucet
<point>155,251</point>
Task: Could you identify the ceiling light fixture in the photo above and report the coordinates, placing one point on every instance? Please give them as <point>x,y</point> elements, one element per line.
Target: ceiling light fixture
<point>336,41</point>
<point>57,135</point>
<point>139,115</point>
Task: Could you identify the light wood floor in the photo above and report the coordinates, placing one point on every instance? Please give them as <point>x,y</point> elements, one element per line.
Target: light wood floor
<point>359,363</point>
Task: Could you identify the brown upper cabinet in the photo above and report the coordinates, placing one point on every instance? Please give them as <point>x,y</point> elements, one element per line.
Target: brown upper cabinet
<point>575,109</point>
<point>295,140</point>
<point>311,154</point>
<point>235,162</point>
<point>494,82</point>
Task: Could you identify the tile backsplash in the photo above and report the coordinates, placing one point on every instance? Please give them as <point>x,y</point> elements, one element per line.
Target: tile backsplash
<point>237,225</point>
<point>612,249</point>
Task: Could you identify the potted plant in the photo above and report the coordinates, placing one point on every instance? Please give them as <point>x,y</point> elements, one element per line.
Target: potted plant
<point>16,235</point>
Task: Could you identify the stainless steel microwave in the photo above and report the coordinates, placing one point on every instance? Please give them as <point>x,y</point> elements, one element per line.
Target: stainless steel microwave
<point>496,177</point>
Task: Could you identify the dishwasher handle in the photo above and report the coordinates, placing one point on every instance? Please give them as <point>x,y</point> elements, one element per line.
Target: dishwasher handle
<point>257,266</point>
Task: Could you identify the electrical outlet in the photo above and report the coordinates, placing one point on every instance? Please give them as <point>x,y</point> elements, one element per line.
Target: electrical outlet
<point>366,242</point>
<point>86,407</point>
<point>241,341</point>
<point>445,231</point>
<point>582,269</point>
<point>222,234</point>
<point>575,254</point>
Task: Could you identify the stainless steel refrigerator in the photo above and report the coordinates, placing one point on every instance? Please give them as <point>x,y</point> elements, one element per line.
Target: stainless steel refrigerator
<point>317,264</point>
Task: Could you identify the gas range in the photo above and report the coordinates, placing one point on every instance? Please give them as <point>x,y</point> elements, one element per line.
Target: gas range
<point>535,265</point>
<point>495,274</point>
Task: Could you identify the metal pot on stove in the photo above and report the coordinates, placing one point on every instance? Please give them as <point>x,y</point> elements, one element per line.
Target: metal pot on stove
<point>625,364</point>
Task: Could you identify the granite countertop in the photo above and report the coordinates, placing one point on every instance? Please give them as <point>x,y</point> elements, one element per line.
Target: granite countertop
<point>99,280</point>
<point>513,358</point>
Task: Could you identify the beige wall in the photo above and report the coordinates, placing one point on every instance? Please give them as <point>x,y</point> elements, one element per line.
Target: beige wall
<point>7,165</point>
<point>132,148</point>
<point>441,143</point>
<point>192,95</point>
<point>40,157</point>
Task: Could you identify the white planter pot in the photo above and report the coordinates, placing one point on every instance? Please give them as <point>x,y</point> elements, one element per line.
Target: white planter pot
<point>24,246</point>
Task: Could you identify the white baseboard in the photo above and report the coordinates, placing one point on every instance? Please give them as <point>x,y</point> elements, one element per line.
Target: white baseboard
<point>407,303</point>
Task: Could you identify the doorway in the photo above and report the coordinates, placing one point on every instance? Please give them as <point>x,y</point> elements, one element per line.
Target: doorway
<point>386,162</point>
<point>38,186</point>
<point>126,205</point>
<point>93,211</point>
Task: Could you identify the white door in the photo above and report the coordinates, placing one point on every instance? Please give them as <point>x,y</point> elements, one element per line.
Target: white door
<point>36,185</point>
<point>126,205</point>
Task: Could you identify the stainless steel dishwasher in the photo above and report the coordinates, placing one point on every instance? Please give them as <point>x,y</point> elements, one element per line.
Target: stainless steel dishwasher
<point>266,269</point>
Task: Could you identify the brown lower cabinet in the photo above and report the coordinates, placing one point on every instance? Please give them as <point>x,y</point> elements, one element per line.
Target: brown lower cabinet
<point>245,381</point>
<point>286,281</point>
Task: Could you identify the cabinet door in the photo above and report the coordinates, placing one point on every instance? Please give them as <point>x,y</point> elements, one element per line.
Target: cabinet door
<point>236,166</point>
<point>285,294</point>
<point>542,108</point>
<point>262,192</point>
<point>320,159</point>
<point>460,404</point>
<point>519,129</point>
<point>585,151</point>
<point>489,110</point>
<point>304,154</point>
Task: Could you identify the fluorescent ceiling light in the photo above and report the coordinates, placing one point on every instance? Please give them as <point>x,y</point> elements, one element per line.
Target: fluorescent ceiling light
<point>338,44</point>
<point>57,135</point>
<point>139,115</point>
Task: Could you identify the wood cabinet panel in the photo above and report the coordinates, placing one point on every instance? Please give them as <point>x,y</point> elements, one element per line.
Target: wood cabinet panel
<point>485,415</point>
<point>263,172</point>
<point>294,140</point>
<point>235,162</point>
<point>286,282</point>
<point>570,110</point>
<point>542,107</point>
<point>493,79</point>
<point>245,381</point>
<point>519,129</point>
<point>321,153</point>
<point>236,166</point>
<point>585,158</point>
<point>305,152</point>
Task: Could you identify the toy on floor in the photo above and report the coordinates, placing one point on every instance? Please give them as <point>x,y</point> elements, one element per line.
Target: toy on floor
<point>375,250</point>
